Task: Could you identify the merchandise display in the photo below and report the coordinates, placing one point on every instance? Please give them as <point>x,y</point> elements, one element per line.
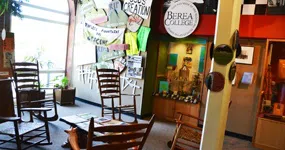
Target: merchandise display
<point>273,92</point>
<point>183,74</point>
<point>281,69</point>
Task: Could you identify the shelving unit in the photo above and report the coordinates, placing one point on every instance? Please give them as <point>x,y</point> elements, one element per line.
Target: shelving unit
<point>165,107</point>
<point>270,132</point>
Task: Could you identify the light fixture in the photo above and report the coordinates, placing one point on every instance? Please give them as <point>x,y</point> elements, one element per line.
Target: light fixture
<point>3,34</point>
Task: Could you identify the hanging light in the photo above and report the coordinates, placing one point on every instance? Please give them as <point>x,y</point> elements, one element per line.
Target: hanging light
<point>3,34</point>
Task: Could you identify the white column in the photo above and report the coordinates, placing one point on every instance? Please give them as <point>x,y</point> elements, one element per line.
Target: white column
<point>228,18</point>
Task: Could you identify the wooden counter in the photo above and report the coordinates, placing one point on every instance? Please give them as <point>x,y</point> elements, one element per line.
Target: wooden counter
<point>270,134</point>
<point>165,108</point>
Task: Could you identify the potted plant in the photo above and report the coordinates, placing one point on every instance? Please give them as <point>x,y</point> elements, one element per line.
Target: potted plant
<point>64,94</point>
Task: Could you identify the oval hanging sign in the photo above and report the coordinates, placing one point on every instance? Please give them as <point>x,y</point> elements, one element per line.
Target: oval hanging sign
<point>181,19</point>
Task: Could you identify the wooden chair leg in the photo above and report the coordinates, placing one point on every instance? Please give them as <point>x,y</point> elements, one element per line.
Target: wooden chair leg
<point>18,142</point>
<point>176,137</point>
<point>177,125</point>
<point>102,108</point>
<point>135,110</point>
<point>47,128</point>
<point>120,109</point>
<point>113,110</point>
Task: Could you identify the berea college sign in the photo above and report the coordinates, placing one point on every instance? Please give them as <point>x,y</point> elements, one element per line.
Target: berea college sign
<point>181,19</point>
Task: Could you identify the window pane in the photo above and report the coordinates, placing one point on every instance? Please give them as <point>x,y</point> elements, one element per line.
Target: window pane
<point>47,15</point>
<point>59,5</point>
<point>48,80</point>
<point>42,34</point>
<point>33,40</point>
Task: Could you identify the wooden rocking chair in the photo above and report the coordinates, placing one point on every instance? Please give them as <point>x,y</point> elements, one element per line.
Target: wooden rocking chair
<point>187,134</point>
<point>28,90</point>
<point>110,89</point>
<point>115,137</point>
<point>13,130</point>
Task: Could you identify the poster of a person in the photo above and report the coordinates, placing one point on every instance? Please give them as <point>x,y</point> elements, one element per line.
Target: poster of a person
<point>276,7</point>
<point>8,56</point>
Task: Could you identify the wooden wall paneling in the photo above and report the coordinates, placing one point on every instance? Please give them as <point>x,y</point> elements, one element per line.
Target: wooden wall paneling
<point>167,109</point>
<point>187,108</point>
<point>242,114</point>
<point>163,108</point>
<point>242,101</point>
<point>6,99</point>
<point>270,134</point>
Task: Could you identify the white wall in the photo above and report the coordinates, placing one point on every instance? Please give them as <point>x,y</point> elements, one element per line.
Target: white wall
<point>84,53</point>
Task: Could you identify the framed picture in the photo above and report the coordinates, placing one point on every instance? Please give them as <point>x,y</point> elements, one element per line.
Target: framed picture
<point>246,56</point>
<point>189,49</point>
<point>247,78</point>
<point>135,72</point>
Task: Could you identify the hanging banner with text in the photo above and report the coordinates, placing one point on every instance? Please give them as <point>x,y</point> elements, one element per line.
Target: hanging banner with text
<point>101,36</point>
<point>139,7</point>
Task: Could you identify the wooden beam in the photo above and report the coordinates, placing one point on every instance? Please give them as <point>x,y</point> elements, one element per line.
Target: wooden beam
<point>70,40</point>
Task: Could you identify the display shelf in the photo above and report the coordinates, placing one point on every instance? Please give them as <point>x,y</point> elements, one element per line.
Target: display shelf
<point>273,117</point>
<point>270,121</point>
<point>180,101</point>
<point>179,75</point>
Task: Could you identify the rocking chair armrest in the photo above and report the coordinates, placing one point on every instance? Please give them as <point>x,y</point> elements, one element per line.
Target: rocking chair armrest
<point>188,115</point>
<point>36,109</point>
<point>39,101</point>
<point>43,100</point>
<point>10,118</point>
<point>189,125</point>
<point>131,94</point>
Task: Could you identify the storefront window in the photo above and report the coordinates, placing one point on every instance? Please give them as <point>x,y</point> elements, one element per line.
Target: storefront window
<point>42,35</point>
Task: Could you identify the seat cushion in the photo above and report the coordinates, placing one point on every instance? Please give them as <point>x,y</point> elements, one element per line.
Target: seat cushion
<point>24,127</point>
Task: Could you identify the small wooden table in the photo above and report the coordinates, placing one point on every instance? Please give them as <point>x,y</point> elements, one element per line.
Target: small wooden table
<point>81,122</point>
